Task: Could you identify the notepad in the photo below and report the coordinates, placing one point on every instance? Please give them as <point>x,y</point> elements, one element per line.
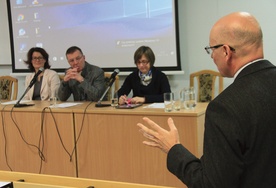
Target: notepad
<point>128,106</point>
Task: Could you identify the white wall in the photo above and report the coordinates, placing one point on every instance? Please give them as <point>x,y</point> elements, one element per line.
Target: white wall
<point>196,17</point>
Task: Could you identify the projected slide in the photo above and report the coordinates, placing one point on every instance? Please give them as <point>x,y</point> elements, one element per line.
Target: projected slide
<point>108,31</point>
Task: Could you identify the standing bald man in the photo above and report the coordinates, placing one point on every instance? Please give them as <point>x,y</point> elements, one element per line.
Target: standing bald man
<point>240,124</point>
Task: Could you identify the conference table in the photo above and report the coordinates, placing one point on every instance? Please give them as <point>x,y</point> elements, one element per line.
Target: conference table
<point>89,142</point>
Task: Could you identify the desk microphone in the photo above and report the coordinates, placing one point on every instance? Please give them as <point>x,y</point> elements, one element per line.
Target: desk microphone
<point>33,81</point>
<point>113,76</point>
<point>41,69</point>
<point>111,81</point>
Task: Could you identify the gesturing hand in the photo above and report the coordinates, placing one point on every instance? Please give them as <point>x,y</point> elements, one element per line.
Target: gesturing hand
<point>159,137</point>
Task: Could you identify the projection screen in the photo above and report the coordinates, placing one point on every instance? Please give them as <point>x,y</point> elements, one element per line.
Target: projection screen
<point>107,31</point>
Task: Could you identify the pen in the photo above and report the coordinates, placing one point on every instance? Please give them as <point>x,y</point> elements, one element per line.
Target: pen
<point>128,101</point>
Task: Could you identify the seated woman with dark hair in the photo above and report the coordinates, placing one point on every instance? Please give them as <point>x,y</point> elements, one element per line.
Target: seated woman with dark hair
<point>147,83</point>
<point>48,81</point>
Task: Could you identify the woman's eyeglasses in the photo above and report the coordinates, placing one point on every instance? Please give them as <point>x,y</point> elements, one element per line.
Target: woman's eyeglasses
<point>37,58</point>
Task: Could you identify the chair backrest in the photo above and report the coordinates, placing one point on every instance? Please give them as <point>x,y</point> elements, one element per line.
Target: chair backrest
<point>8,88</point>
<point>206,82</point>
<point>114,88</point>
<point>61,76</point>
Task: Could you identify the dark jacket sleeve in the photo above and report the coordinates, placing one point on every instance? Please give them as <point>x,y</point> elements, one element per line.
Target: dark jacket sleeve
<point>221,165</point>
<point>127,86</point>
<point>64,91</point>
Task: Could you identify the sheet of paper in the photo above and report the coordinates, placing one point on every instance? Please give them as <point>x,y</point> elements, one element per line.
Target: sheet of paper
<point>155,105</point>
<point>64,105</point>
<point>14,102</point>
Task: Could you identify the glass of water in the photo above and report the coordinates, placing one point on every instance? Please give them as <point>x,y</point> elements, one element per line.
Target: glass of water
<point>168,102</point>
<point>114,99</point>
<point>190,98</point>
<point>177,101</point>
<point>53,101</point>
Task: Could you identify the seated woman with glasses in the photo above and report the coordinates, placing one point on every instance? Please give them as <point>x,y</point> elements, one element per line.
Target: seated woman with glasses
<point>146,82</point>
<point>47,82</point>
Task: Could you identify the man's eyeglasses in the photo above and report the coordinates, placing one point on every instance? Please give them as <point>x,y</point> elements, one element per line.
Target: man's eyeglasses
<point>208,48</point>
<point>76,59</point>
<point>37,58</point>
<point>143,62</point>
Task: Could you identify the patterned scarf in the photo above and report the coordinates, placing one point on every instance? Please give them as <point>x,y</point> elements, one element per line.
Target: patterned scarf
<point>145,78</point>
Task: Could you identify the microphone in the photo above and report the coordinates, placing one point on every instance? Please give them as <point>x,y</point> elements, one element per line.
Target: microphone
<point>113,77</point>
<point>114,74</point>
<point>33,81</point>
<point>111,81</point>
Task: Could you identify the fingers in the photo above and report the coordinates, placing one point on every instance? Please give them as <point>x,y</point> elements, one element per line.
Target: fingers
<point>159,137</point>
<point>72,74</point>
<point>122,99</point>
<point>145,134</point>
<point>157,127</point>
<point>153,144</point>
<point>136,100</point>
<point>151,135</point>
<point>148,135</point>
<point>171,124</point>
<point>71,70</point>
<point>173,132</point>
<point>152,124</point>
<point>145,130</point>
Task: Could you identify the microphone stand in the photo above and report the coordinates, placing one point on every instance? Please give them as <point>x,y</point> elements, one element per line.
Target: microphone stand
<point>99,104</point>
<point>17,105</point>
<point>33,81</point>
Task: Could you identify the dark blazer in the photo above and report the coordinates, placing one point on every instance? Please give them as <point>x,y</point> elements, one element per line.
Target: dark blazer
<point>91,89</point>
<point>240,136</point>
<point>152,92</point>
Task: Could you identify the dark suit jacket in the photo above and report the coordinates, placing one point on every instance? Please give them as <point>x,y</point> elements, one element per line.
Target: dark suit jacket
<point>91,89</point>
<point>240,136</point>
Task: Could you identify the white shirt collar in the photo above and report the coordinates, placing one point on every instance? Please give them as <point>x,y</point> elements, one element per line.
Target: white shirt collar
<point>237,73</point>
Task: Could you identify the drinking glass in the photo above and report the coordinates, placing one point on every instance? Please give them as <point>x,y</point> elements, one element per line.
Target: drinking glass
<point>53,101</point>
<point>114,99</point>
<point>190,98</point>
<point>177,101</point>
<point>168,102</point>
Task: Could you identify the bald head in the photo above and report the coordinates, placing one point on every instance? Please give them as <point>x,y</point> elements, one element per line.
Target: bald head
<point>239,30</point>
<point>242,32</point>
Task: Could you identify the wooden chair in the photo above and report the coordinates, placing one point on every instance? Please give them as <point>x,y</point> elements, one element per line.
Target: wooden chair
<point>8,88</point>
<point>61,76</point>
<point>206,84</point>
<point>114,88</point>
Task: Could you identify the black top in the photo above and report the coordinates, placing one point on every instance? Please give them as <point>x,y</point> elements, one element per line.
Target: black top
<point>152,92</point>
<point>37,88</point>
